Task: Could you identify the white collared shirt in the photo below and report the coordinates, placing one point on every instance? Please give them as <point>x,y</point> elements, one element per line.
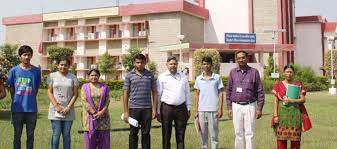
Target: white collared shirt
<point>173,89</point>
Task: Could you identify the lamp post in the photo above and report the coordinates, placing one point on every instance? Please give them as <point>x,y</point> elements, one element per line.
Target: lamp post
<point>331,44</point>
<point>274,31</point>
<point>181,38</point>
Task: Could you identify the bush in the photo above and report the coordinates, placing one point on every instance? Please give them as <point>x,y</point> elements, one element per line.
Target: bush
<point>200,53</point>
<point>8,59</point>
<point>304,74</point>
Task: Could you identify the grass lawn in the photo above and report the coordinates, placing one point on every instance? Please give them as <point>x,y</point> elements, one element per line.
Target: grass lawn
<point>320,105</point>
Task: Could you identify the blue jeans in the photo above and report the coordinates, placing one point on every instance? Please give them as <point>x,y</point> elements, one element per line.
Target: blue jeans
<point>18,119</point>
<point>59,127</point>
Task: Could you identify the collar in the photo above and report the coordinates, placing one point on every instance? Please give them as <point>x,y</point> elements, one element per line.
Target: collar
<point>134,71</point>
<point>245,70</point>
<point>212,76</point>
<point>167,73</point>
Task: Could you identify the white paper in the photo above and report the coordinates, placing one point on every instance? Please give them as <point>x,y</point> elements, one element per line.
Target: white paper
<point>131,121</point>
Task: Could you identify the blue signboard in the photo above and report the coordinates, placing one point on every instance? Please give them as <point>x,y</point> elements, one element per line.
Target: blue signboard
<point>240,38</point>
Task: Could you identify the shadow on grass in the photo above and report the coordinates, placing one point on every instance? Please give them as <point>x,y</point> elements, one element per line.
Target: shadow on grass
<point>159,126</point>
<point>6,115</point>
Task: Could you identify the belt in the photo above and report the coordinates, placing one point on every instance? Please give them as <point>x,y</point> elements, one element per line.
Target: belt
<point>174,105</point>
<point>244,102</point>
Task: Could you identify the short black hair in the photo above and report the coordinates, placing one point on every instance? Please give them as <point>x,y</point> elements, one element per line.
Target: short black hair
<point>139,57</point>
<point>288,66</point>
<point>94,70</point>
<point>171,58</point>
<point>241,51</point>
<point>63,58</point>
<point>25,49</point>
<point>207,59</point>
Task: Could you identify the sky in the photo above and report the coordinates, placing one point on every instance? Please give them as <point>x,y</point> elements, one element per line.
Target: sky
<point>8,8</point>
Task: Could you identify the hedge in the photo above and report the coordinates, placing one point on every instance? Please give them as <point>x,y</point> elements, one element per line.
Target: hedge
<point>315,84</point>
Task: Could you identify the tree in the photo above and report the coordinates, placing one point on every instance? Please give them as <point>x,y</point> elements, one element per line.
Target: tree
<point>200,53</point>
<point>106,65</point>
<point>8,58</point>
<point>56,52</point>
<point>152,66</point>
<point>127,59</point>
<point>327,63</point>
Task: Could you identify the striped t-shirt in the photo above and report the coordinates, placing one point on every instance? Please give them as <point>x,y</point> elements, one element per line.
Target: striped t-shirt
<point>139,88</point>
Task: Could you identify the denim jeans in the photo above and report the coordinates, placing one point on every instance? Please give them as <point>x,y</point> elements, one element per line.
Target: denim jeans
<point>18,120</point>
<point>61,127</point>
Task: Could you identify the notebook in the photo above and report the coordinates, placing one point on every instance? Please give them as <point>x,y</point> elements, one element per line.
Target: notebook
<point>293,91</point>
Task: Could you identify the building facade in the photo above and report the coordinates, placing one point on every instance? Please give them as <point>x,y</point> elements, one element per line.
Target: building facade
<point>154,27</point>
<point>311,41</point>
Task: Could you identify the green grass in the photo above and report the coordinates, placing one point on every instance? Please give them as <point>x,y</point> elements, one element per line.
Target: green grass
<point>321,107</point>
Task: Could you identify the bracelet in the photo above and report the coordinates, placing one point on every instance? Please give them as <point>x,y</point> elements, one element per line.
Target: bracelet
<point>275,115</point>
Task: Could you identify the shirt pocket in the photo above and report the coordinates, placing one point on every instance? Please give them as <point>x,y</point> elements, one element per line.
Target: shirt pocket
<point>248,84</point>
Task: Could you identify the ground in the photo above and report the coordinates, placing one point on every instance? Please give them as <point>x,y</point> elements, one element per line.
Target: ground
<point>320,105</point>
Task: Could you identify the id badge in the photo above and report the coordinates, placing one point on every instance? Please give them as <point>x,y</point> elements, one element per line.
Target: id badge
<point>239,89</point>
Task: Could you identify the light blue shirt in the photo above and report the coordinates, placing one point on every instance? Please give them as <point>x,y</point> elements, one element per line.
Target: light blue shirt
<point>209,92</point>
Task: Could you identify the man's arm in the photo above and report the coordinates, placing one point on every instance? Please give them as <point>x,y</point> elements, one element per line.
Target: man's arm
<point>229,94</point>
<point>187,97</point>
<point>155,101</point>
<point>127,84</point>
<point>260,92</point>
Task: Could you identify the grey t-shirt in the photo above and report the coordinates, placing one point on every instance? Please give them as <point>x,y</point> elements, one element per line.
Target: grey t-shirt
<point>63,92</point>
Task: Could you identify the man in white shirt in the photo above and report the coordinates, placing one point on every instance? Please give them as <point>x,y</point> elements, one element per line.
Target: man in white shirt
<point>174,97</point>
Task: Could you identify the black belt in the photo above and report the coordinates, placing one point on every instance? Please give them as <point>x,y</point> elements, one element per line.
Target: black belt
<point>173,105</point>
<point>244,102</point>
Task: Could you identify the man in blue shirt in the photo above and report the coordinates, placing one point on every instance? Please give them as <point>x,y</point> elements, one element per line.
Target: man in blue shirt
<point>24,81</point>
<point>208,103</point>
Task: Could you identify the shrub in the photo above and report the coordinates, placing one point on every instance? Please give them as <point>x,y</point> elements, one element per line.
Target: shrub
<point>200,53</point>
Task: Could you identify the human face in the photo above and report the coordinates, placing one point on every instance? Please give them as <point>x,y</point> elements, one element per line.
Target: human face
<point>93,77</point>
<point>206,67</point>
<point>25,58</point>
<point>241,59</point>
<point>63,67</point>
<point>139,64</point>
<point>172,66</point>
<point>288,74</point>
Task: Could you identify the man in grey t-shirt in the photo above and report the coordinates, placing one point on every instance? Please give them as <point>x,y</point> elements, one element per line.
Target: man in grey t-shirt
<point>138,86</point>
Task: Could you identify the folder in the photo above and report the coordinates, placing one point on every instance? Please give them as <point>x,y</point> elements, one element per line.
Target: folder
<point>293,91</point>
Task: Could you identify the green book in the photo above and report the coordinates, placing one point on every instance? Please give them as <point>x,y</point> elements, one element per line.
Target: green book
<point>293,91</point>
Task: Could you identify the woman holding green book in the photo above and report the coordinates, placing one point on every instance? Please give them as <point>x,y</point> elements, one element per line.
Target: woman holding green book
<point>290,117</point>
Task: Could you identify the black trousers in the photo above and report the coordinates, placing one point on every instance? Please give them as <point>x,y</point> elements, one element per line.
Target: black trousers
<point>179,115</point>
<point>144,118</point>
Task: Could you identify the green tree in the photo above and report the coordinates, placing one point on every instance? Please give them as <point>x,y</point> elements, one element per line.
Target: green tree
<point>8,58</point>
<point>127,59</point>
<point>56,52</point>
<point>327,62</point>
<point>106,64</point>
<point>200,53</point>
<point>152,66</point>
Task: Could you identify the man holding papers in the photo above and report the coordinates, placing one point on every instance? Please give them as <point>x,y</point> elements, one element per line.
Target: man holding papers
<point>290,117</point>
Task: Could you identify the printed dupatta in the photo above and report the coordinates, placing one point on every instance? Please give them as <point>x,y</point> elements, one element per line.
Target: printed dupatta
<point>102,102</point>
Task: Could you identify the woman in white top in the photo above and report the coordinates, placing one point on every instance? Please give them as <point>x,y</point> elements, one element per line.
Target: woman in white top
<point>62,93</point>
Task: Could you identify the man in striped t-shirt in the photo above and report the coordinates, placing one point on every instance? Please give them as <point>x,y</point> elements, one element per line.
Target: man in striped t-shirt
<point>138,85</point>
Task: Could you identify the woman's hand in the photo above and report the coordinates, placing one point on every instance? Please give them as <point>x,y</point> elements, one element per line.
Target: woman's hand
<point>65,110</point>
<point>58,108</point>
<point>99,115</point>
<point>286,101</point>
<point>275,119</point>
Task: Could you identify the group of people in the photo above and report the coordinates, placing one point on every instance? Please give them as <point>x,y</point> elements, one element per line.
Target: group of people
<point>145,98</point>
